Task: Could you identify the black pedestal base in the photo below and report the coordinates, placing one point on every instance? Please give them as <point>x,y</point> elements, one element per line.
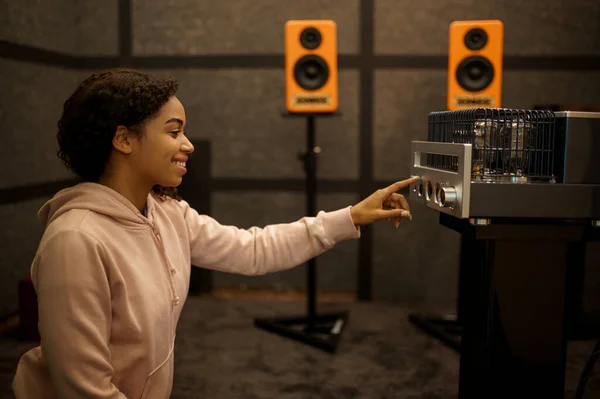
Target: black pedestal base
<point>321,331</point>
<point>518,295</point>
<point>444,328</point>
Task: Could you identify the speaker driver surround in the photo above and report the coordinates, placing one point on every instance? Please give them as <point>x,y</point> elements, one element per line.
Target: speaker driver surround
<point>476,39</point>
<point>475,73</point>
<point>311,72</point>
<point>310,38</point>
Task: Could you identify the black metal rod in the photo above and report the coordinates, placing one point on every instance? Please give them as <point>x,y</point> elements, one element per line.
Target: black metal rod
<point>321,331</point>
<point>311,199</point>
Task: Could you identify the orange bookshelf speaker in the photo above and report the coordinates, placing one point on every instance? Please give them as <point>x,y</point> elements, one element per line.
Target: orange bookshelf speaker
<point>475,64</point>
<point>311,66</point>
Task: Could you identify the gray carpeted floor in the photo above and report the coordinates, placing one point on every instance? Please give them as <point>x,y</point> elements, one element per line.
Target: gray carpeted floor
<point>220,354</point>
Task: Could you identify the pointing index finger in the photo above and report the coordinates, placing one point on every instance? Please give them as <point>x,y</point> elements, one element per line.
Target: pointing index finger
<point>392,188</point>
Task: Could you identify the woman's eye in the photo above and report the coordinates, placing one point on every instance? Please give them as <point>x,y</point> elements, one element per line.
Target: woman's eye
<point>175,132</point>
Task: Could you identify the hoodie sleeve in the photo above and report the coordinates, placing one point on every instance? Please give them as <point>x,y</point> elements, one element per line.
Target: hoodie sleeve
<point>257,251</point>
<point>75,315</point>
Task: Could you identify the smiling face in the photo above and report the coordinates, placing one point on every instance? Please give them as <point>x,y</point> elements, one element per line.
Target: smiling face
<point>159,156</point>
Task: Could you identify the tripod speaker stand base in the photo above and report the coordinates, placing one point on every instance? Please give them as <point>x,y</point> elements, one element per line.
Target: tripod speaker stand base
<point>321,331</point>
<point>445,328</point>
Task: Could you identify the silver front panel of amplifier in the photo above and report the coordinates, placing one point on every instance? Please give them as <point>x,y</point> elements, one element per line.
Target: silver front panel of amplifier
<point>447,191</point>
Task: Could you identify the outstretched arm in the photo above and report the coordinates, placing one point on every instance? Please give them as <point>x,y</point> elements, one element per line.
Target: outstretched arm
<point>282,246</point>
<point>257,251</point>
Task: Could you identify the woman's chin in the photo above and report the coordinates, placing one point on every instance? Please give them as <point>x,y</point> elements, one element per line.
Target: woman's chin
<point>172,182</point>
<point>175,182</point>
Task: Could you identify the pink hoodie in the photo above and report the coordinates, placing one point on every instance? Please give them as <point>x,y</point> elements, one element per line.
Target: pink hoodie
<point>111,284</point>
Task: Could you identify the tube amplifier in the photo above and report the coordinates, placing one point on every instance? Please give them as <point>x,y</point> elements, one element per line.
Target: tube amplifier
<point>512,163</point>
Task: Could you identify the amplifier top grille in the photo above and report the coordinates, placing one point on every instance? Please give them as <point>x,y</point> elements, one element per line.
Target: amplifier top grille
<point>512,145</point>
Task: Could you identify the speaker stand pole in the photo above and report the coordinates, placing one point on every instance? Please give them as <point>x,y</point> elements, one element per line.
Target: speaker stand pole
<point>322,331</point>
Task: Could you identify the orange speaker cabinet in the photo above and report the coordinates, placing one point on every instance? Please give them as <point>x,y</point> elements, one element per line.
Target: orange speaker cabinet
<point>311,66</point>
<point>475,64</point>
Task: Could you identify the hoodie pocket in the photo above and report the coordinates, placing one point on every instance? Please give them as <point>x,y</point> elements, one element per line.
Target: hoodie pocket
<point>160,381</point>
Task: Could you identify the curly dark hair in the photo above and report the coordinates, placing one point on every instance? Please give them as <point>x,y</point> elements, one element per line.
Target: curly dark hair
<point>103,101</point>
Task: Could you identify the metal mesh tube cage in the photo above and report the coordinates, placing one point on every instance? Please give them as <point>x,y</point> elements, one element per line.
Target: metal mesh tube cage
<point>514,145</point>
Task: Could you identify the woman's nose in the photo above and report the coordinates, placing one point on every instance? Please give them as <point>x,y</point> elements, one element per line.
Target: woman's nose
<point>187,147</point>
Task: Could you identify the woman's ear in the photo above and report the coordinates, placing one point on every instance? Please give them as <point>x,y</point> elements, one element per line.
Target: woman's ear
<point>122,140</point>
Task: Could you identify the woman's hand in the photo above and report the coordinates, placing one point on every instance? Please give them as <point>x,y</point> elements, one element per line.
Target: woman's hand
<point>384,203</point>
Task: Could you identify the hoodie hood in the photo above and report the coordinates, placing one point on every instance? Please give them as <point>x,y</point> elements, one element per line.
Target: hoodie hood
<point>96,198</point>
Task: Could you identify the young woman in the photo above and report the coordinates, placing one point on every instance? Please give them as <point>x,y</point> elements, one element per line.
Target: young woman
<point>113,266</point>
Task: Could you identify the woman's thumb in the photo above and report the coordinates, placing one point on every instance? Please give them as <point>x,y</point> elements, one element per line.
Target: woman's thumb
<point>398,213</point>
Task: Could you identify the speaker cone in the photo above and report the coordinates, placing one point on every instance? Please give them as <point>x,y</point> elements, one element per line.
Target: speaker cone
<point>310,38</point>
<point>476,39</point>
<point>475,73</point>
<point>311,72</point>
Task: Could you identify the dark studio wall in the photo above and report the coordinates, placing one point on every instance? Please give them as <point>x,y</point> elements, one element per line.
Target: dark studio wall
<point>228,57</point>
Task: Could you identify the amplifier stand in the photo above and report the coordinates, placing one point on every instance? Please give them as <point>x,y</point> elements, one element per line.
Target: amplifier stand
<point>516,302</point>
